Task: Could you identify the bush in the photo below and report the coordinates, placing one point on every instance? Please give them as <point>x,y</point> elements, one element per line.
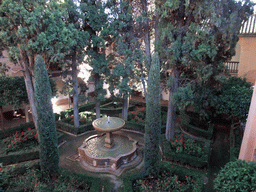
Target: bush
<point>21,140</point>
<point>23,127</point>
<point>207,134</point>
<point>28,177</point>
<point>186,150</point>
<point>131,181</point>
<point>237,176</point>
<point>62,126</point>
<point>86,107</point>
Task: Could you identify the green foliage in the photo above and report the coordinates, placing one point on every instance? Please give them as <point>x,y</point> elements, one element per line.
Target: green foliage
<point>236,176</point>
<point>153,120</point>
<point>12,91</point>
<point>21,140</point>
<point>202,98</point>
<point>187,150</point>
<point>32,27</point>
<point>196,38</point>
<point>235,98</point>
<point>49,154</point>
<point>169,169</point>
<point>28,176</point>
<point>10,131</point>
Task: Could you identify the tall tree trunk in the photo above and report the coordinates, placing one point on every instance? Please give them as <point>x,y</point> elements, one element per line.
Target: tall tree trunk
<point>97,101</point>
<point>157,38</point>
<point>30,92</point>
<point>125,108</point>
<point>147,36</point>
<point>75,87</point>
<point>26,112</point>
<point>143,82</point>
<point>171,115</point>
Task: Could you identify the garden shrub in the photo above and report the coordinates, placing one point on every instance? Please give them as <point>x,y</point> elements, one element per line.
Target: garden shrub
<point>185,120</point>
<point>23,127</point>
<point>237,176</point>
<point>28,177</point>
<point>20,156</point>
<point>138,182</point>
<point>21,145</point>
<point>21,140</point>
<point>186,150</point>
<point>62,126</point>
<point>85,107</point>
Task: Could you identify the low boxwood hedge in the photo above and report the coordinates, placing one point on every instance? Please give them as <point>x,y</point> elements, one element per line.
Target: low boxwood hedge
<point>197,131</point>
<point>72,129</point>
<point>23,127</point>
<point>198,162</point>
<point>136,126</point>
<point>86,107</point>
<point>172,168</point>
<point>21,156</point>
<point>20,169</point>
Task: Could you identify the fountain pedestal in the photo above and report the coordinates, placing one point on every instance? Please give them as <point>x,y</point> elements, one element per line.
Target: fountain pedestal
<point>108,125</point>
<point>109,142</point>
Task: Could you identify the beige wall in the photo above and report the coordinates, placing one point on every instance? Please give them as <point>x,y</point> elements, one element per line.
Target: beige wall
<point>14,70</point>
<point>246,55</point>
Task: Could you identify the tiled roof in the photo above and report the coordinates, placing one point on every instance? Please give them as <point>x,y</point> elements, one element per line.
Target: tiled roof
<point>249,27</point>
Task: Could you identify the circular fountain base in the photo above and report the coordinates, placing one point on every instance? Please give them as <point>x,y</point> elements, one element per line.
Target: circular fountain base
<point>123,150</point>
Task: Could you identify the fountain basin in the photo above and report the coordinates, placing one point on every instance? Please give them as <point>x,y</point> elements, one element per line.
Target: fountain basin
<point>95,154</point>
<point>103,125</point>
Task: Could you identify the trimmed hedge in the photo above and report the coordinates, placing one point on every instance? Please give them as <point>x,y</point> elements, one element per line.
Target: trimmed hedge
<point>170,155</point>
<point>172,168</point>
<point>21,156</point>
<point>197,131</point>
<point>23,127</point>
<point>86,107</point>
<point>72,129</point>
<point>140,127</point>
<point>21,168</point>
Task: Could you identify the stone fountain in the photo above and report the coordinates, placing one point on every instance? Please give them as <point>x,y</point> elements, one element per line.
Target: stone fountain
<point>108,126</point>
<point>108,149</point>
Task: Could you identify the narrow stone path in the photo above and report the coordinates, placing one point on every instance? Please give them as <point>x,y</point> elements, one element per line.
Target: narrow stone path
<point>219,157</point>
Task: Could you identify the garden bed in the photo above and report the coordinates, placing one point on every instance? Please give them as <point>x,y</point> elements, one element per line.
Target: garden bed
<point>27,177</point>
<point>185,150</point>
<point>21,146</point>
<point>172,178</point>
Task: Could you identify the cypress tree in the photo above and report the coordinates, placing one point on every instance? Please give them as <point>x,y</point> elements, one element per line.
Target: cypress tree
<point>49,154</point>
<point>153,120</point>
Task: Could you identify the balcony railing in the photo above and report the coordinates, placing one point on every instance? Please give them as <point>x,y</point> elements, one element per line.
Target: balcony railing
<point>232,66</point>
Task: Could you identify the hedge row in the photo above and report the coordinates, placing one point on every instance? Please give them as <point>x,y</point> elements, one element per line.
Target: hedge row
<point>193,161</point>
<point>197,131</point>
<point>23,127</point>
<point>21,156</point>
<point>136,126</point>
<point>72,129</point>
<point>172,168</point>
<point>86,107</point>
<point>21,168</point>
